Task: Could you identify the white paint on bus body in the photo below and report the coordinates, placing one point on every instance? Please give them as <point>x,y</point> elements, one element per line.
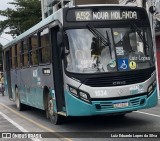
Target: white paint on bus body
<point>35,73</point>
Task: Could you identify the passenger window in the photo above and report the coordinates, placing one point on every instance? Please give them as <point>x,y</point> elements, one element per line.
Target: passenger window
<point>10,59</point>
<point>45,51</point>
<point>19,55</point>
<point>13,57</point>
<point>25,53</point>
<point>16,65</point>
<point>34,49</point>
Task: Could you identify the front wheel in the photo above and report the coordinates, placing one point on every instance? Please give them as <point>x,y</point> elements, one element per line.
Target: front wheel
<point>19,105</point>
<point>52,114</point>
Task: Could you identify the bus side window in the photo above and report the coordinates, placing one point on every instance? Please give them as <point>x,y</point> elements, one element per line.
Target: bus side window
<point>45,52</point>
<point>18,55</point>
<point>10,58</point>
<point>16,65</point>
<point>34,49</point>
<point>13,57</point>
<point>25,53</point>
<point>21,56</point>
<point>3,60</point>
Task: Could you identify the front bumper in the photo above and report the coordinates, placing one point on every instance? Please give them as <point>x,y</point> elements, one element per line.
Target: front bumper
<point>77,107</point>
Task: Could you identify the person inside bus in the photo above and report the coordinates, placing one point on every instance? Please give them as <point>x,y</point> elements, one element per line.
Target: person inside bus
<point>126,44</point>
<point>96,49</point>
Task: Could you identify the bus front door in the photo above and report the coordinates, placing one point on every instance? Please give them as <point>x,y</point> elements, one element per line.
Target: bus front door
<point>8,74</point>
<point>57,70</point>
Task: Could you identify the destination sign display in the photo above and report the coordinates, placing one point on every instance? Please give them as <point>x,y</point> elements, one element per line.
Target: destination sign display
<point>105,15</point>
<point>102,15</point>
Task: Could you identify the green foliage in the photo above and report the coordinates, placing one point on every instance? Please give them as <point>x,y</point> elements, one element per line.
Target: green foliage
<point>26,14</point>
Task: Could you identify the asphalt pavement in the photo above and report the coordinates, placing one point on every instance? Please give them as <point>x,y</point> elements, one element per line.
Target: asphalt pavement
<point>135,124</point>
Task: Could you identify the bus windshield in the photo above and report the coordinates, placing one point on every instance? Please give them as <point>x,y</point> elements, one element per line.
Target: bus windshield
<point>99,50</point>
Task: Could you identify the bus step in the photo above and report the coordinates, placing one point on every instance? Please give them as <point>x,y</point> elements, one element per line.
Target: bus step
<point>62,113</point>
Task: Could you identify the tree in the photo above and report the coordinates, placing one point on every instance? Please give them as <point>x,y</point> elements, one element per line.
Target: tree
<point>26,14</point>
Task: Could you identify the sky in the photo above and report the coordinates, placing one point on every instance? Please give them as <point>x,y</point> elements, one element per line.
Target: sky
<point>5,38</point>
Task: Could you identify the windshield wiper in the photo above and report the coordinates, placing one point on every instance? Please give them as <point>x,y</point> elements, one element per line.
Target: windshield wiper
<point>142,37</point>
<point>97,34</point>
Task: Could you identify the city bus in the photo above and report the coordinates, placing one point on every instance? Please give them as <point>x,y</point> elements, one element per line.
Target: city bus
<point>84,61</point>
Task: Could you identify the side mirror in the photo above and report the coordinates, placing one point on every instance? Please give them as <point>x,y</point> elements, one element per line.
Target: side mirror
<point>152,9</point>
<point>62,40</point>
<point>59,39</point>
<point>62,53</point>
<point>66,41</point>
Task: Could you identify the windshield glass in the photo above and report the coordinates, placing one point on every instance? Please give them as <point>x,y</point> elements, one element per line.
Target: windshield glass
<point>96,50</point>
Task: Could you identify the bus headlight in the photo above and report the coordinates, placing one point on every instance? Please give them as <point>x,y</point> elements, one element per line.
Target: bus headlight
<point>73,91</point>
<point>84,96</point>
<point>79,94</point>
<point>151,87</point>
<point>154,83</point>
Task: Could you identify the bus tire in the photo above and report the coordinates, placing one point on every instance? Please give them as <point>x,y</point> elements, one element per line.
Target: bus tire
<point>51,114</point>
<point>19,105</point>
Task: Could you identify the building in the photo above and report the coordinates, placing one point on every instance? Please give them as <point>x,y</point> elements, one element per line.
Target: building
<point>49,6</point>
<point>157,15</point>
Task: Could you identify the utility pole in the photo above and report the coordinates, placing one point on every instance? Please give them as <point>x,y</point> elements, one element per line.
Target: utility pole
<point>42,8</point>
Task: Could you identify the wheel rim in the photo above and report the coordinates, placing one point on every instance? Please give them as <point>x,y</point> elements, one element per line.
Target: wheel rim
<point>50,107</point>
<point>51,112</point>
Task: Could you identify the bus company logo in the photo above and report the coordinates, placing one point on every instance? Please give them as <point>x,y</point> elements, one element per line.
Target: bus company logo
<point>121,92</point>
<point>119,83</point>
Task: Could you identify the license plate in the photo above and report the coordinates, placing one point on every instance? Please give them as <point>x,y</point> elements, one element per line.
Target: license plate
<point>121,105</point>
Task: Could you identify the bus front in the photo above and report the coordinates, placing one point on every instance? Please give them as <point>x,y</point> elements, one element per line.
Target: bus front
<point>109,61</point>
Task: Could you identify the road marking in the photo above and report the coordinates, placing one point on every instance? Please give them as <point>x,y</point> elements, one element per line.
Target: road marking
<point>34,122</point>
<point>148,114</point>
<point>16,125</point>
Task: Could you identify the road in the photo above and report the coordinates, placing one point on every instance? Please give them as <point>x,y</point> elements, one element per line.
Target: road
<point>34,120</point>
